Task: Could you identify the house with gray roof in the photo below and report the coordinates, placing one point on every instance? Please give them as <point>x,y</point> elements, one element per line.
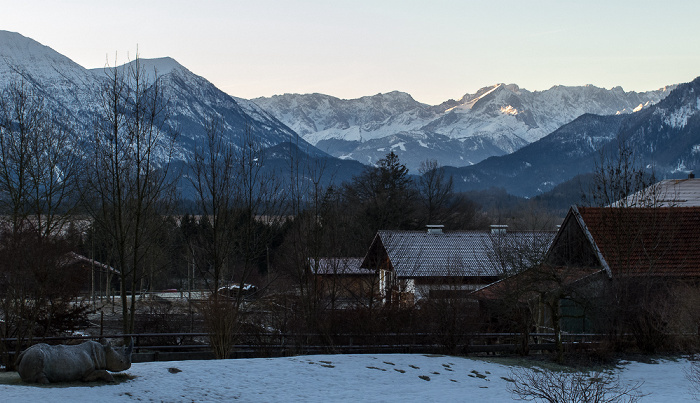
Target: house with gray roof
<point>666,193</point>
<point>412,265</point>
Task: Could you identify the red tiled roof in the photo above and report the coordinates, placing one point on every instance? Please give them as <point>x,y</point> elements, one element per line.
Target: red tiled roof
<point>646,241</point>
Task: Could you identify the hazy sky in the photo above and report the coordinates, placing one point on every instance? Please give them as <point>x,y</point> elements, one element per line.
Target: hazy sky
<point>432,49</point>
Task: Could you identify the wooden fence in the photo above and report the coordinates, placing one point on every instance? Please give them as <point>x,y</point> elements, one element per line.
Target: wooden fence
<point>186,346</point>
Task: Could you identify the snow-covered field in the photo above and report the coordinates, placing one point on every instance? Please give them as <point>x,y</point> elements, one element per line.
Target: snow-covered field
<point>329,378</point>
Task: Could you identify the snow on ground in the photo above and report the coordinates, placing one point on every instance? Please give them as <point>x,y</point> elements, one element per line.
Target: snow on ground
<point>329,378</point>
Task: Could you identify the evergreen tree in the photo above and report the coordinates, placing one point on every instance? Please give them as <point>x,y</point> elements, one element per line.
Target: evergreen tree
<point>382,196</point>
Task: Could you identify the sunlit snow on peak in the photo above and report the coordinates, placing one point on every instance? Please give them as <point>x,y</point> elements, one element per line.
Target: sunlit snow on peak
<point>467,106</point>
<point>509,110</point>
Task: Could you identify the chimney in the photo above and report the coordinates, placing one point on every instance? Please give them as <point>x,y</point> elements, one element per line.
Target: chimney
<point>434,228</point>
<point>499,228</point>
<point>691,175</point>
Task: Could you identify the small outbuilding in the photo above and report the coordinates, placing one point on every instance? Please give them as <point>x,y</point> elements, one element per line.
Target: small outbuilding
<point>342,282</point>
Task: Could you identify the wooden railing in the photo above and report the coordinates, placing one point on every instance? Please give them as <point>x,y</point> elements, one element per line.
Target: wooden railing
<point>182,346</point>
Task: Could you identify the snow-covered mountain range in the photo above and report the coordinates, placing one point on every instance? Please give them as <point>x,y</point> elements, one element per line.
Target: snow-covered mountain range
<point>543,138</point>
<point>496,120</point>
<point>192,99</point>
<point>664,137</point>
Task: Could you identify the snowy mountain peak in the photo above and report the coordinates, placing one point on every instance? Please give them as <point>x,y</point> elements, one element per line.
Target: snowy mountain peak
<point>470,98</point>
<point>19,54</point>
<point>666,132</point>
<point>17,46</point>
<point>192,100</point>
<point>163,65</point>
<point>488,93</point>
<point>392,95</point>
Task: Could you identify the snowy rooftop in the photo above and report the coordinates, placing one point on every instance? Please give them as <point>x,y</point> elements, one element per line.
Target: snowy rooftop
<point>667,193</point>
<point>458,253</point>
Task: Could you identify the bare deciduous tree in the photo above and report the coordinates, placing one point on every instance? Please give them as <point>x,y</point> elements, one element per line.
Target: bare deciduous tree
<point>213,180</point>
<point>619,180</point>
<point>39,162</point>
<point>544,385</point>
<point>241,207</point>
<point>640,236</point>
<point>129,179</point>
<point>435,191</point>
<point>39,167</point>
<point>312,236</point>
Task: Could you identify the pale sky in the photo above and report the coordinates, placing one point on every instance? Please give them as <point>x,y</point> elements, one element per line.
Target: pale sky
<point>433,49</point>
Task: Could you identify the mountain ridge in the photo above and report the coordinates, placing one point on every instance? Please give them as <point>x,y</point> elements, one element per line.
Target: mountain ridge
<point>664,136</point>
<point>192,99</point>
<point>495,120</point>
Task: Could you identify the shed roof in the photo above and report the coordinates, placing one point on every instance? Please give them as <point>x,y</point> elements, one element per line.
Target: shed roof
<point>534,281</point>
<point>74,258</point>
<point>458,253</point>
<point>339,266</point>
